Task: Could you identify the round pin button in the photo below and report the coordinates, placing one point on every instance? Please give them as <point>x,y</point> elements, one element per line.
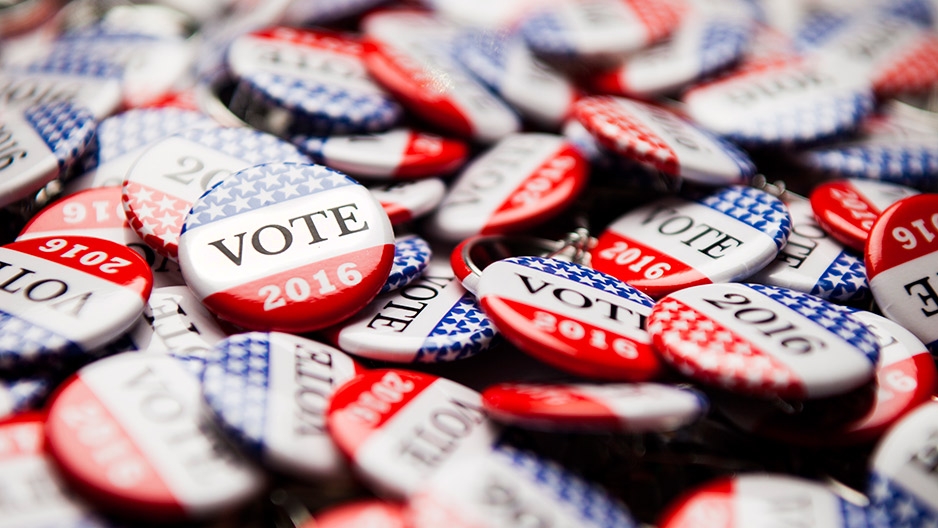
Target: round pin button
<point>507,486</point>
<point>572,317</point>
<point>171,174</point>
<point>901,264</point>
<point>270,391</point>
<point>903,490</point>
<point>760,500</point>
<point>404,201</point>
<point>411,256</point>
<point>130,433</point>
<point>398,154</point>
<point>847,209</point>
<point>674,243</point>
<point>431,319</point>
<point>287,247</point>
<point>662,140</point>
<point>61,297</point>
<point>400,427</point>
<point>362,513</point>
<point>521,181</point>
<point>763,340</point>
<point>40,143</point>
<point>612,408</point>
<point>813,262</point>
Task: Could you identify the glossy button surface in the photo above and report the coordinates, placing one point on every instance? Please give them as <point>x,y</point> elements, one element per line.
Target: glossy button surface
<point>847,209</point>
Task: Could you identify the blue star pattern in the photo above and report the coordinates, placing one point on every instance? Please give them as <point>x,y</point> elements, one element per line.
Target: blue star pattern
<point>251,146</point>
<point>321,109</point>
<point>27,393</point>
<point>819,28</point>
<point>411,256</point>
<point>853,516</point>
<point>589,277</point>
<point>24,344</point>
<point>464,331</point>
<point>723,42</point>
<point>67,129</point>
<point>844,280</point>
<point>312,146</point>
<point>78,64</point>
<point>906,164</point>
<point>260,186</point>
<point>891,505</point>
<point>591,504</point>
<point>919,11</point>
<point>235,386</point>
<point>755,208</point>
<point>137,127</point>
<point>484,53</point>
<point>831,317</point>
<point>545,34</point>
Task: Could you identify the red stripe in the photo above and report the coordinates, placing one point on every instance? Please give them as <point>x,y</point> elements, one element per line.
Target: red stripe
<point>319,39</point>
<point>676,274</point>
<point>89,209</point>
<point>843,212</point>
<point>430,155</point>
<point>885,251</point>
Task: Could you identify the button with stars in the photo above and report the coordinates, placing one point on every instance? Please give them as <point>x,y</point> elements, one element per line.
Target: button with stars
<point>847,209</point>
<point>166,179</point>
<point>286,246</point>
<point>432,319</point>
<point>570,316</point>
<point>763,341</point>
<point>412,254</point>
<point>269,392</point>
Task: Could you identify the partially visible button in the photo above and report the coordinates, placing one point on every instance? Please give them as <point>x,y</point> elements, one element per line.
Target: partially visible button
<point>412,254</point>
<point>404,201</point>
<point>81,82</point>
<point>362,513</point>
<point>847,209</point>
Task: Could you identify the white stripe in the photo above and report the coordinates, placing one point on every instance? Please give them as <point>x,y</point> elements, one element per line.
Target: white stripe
<point>888,289</point>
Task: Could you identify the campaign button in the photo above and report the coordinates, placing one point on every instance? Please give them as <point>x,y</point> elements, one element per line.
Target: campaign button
<point>570,316</point>
<point>905,378</point>
<point>763,340</point>
<point>521,181</point>
<point>171,174</point>
<point>503,61</point>
<point>895,54</point>
<point>400,427</point>
<point>497,489</point>
<point>269,392</point>
<point>761,500</point>
<point>782,101</point>
<point>813,262</point>
<point>599,29</point>
<point>38,144</point>
<point>475,253</point>
<point>404,201</point>
<point>130,432</point>
<point>674,243</point>
<point>711,37</point>
<point>431,319</point>
<point>23,394</point>
<point>411,256</point>
<point>660,139</point>
<point>286,246</point>
<point>847,209</point>
<point>88,84</point>
<point>902,261</point>
<point>123,137</point>
<point>34,494</point>
<point>408,52</point>
<point>307,81</point>
<point>398,154</point>
<point>361,513</point>
<point>175,321</point>
<point>98,213</point>
<point>62,297</point>
<point>903,486</point>
<point>611,408</point>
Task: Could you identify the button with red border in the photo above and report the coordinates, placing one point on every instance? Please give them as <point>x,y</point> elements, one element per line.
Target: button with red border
<point>570,316</point>
<point>763,340</point>
<point>404,201</point>
<point>286,246</point>
<point>130,433</point>
<point>674,242</point>
<point>62,297</point>
<point>902,264</point>
<point>400,427</point>
<point>521,181</point>
<point>611,408</point>
<point>847,209</point>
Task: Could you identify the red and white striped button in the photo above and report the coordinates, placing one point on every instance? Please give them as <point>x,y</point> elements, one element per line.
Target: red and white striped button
<point>763,340</point>
<point>400,427</point>
<point>407,52</point>
<point>621,407</point>
<point>62,293</point>
<point>98,213</point>
<point>404,201</point>
<point>902,265</point>
<point>520,182</point>
<point>131,431</point>
<point>286,246</point>
<point>847,209</point>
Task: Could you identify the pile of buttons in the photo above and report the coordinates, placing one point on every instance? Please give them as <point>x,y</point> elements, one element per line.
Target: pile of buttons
<point>363,263</point>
